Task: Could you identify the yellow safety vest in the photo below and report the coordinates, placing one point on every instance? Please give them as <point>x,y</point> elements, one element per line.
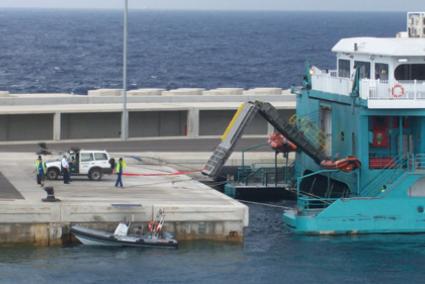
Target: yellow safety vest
<point>37,165</point>
<point>118,166</point>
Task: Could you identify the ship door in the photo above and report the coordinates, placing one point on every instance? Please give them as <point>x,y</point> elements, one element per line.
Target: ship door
<point>405,145</point>
<point>408,141</point>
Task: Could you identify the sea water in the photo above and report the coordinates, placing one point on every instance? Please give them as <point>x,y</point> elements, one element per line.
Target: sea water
<point>270,254</point>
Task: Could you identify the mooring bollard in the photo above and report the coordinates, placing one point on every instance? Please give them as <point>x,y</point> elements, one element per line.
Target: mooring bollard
<point>50,195</point>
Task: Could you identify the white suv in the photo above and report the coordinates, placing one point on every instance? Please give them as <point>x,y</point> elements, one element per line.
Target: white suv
<point>93,163</point>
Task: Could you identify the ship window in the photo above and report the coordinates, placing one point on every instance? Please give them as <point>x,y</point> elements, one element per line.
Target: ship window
<point>407,72</point>
<point>364,68</point>
<point>381,71</point>
<point>344,68</point>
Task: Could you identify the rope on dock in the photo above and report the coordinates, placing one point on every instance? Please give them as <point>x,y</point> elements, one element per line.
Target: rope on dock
<point>160,162</point>
<point>265,204</point>
<point>177,173</point>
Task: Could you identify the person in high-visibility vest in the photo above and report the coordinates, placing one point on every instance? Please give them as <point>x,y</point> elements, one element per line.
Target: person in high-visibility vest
<point>40,169</point>
<point>119,168</point>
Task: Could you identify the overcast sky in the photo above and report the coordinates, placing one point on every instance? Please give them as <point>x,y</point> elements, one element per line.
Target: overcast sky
<point>328,5</point>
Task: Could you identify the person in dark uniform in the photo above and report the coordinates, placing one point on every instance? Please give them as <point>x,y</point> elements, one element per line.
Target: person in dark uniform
<point>65,170</point>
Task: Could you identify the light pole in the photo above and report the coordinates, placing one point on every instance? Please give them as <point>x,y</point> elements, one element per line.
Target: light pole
<point>124,118</point>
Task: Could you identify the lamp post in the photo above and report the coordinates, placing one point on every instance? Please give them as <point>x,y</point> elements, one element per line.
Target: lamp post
<point>124,118</point>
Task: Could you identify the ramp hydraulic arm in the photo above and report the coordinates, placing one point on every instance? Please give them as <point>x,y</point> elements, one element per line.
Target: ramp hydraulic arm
<point>243,117</point>
<point>290,131</point>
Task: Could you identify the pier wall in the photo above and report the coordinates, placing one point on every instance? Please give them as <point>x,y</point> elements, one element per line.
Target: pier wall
<point>49,223</point>
<point>90,125</point>
<point>157,123</point>
<point>153,113</point>
<point>26,127</point>
<point>214,122</point>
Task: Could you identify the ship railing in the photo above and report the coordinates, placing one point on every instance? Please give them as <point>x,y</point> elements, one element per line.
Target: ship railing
<point>410,163</point>
<point>329,82</point>
<point>413,164</point>
<point>417,162</point>
<point>370,89</point>
<point>396,90</point>
<point>386,176</point>
<point>264,174</point>
<point>308,202</point>
<point>268,176</point>
<point>244,172</point>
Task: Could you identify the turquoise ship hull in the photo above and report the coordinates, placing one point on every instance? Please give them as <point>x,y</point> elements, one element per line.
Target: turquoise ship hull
<point>362,216</point>
<point>393,210</point>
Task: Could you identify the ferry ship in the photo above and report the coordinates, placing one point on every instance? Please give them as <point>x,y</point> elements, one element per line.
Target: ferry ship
<point>371,107</point>
<point>359,137</point>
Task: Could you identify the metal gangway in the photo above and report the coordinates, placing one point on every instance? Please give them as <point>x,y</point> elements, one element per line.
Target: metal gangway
<point>243,116</point>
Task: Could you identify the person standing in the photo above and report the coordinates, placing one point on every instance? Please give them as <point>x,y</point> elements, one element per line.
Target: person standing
<point>40,169</point>
<point>65,170</point>
<point>119,168</point>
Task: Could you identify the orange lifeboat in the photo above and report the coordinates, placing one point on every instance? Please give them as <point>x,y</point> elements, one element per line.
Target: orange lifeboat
<point>346,165</point>
<point>280,143</point>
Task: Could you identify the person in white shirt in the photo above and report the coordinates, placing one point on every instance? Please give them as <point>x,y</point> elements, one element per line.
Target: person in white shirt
<point>65,170</point>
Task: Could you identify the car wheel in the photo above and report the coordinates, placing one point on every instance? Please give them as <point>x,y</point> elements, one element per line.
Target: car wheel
<point>95,174</point>
<point>52,174</point>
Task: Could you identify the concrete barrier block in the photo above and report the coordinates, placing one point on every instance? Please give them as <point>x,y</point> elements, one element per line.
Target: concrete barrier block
<point>287,92</point>
<point>225,92</point>
<point>264,91</point>
<point>145,92</point>
<point>184,92</point>
<point>105,92</point>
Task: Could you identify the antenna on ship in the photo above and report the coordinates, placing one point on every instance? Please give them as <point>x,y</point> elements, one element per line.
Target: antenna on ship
<point>415,26</point>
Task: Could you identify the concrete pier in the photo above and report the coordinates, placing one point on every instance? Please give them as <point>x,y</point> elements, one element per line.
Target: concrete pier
<point>193,210</point>
<point>195,116</point>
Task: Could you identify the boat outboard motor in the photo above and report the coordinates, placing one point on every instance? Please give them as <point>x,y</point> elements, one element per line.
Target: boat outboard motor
<point>121,230</point>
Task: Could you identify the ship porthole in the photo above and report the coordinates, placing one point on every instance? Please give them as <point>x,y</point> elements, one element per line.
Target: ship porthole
<point>420,209</point>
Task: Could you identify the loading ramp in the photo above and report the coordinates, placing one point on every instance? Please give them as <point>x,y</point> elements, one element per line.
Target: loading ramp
<point>243,116</point>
